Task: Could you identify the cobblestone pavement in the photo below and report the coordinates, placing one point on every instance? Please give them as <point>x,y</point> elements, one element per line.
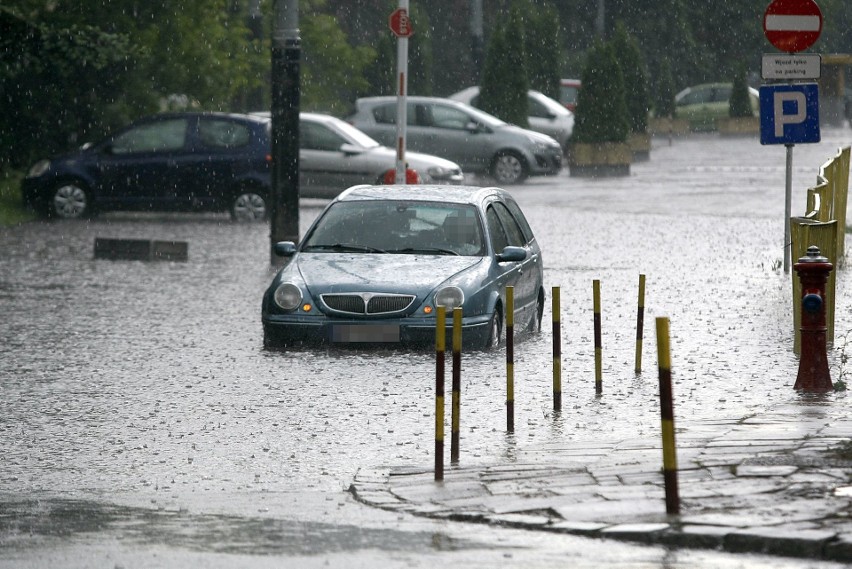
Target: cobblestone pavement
<point>775,483</point>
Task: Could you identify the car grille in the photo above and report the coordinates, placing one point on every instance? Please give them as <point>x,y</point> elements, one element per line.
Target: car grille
<point>368,303</point>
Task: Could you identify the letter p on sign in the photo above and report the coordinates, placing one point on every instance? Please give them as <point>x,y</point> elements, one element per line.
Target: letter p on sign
<point>789,114</point>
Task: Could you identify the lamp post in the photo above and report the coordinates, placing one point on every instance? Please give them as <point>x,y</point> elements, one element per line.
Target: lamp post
<point>286,53</point>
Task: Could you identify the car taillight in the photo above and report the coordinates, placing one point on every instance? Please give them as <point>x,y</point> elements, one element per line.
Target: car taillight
<point>269,158</point>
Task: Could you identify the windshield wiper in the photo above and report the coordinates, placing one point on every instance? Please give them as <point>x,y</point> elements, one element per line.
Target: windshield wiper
<point>423,250</point>
<point>344,247</point>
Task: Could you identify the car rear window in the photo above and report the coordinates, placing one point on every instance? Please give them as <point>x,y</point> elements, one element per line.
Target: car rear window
<point>221,133</point>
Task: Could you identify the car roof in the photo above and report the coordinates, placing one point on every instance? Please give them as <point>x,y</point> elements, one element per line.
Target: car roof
<point>409,98</point>
<point>435,193</point>
<point>188,114</point>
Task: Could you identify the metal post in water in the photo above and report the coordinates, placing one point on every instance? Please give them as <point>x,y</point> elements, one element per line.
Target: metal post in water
<point>667,416</point>
<point>640,324</point>
<point>510,359</point>
<point>440,344</point>
<point>456,404</point>
<point>557,349</point>
<point>596,290</point>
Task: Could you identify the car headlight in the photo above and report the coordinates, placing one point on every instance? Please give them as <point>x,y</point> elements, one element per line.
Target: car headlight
<point>38,169</point>
<point>451,297</point>
<point>439,173</point>
<point>288,296</point>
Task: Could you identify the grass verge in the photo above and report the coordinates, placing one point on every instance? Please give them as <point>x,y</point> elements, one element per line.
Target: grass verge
<point>12,210</point>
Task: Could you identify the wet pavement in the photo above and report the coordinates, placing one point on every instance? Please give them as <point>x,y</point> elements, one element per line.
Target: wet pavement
<point>778,482</point>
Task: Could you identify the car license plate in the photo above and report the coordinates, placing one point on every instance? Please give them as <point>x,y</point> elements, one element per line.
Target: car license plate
<point>365,333</point>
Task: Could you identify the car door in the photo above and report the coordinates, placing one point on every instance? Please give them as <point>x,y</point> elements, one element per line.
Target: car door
<point>138,166</point>
<point>524,275</point>
<point>324,169</point>
<point>449,132</point>
<point>221,152</point>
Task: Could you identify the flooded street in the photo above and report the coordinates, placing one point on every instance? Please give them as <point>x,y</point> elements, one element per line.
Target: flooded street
<point>142,423</point>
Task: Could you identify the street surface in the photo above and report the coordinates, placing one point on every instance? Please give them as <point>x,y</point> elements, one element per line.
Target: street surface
<point>142,424</point>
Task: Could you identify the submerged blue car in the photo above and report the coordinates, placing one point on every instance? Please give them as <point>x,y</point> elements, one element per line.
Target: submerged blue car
<point>379,260</point>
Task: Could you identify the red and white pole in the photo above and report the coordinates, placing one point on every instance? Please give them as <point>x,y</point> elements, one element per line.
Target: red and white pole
<point>402,91</point>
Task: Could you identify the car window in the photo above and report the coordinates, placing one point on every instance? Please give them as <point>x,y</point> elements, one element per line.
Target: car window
<point>313,136</point>
<point>499,240</point>
<point>221,133</point>
<point>449,118</point>
<point>536,109</point>
<point>398,227</point>
<point>697,97</point>
<point>722,94</point>
<point>386,114</point>
<point>513,230</point>
<point>515,209</point>
<point>159,136</point>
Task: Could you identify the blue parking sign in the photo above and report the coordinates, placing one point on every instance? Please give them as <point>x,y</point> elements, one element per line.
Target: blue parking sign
<point>789,114</point>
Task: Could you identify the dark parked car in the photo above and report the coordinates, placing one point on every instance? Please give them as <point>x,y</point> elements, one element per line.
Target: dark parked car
<point>378,261</point>
<point>173,161</point>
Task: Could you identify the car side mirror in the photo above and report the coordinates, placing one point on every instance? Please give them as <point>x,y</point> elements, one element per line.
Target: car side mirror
<point>512,254</point>
<point>351,149</point>
<point>285,248</point>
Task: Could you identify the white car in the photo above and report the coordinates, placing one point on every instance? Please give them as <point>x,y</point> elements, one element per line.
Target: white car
<point>545,114</point>
<point>334,155</point>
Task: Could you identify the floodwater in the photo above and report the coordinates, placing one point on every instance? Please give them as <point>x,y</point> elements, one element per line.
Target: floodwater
<point>139,405</point>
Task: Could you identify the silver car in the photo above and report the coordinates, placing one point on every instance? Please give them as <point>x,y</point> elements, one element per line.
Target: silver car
<point>334,155</point>
<point>545,115</point>
<point>479,142</point>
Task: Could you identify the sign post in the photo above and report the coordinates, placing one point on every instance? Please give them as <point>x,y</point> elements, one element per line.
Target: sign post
<point>400,25</point>
<point>789,114</point>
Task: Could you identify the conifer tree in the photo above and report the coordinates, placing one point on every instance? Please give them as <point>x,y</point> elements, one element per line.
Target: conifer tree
<point>601,105</point>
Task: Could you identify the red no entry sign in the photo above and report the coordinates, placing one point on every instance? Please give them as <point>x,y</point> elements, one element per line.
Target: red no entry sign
<point>400,23</point>
<point>792,25</point>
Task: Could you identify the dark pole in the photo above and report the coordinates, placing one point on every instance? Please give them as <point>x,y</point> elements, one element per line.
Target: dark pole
<point>286,53</point>
<point>254,99</point>
<point>477,43</point>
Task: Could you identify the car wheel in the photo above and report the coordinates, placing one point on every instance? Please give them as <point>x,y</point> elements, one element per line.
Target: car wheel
<point>69,201</point>
<point>508,168</point>
<point>535,323</point>
<point>248,206</point>
<point>495,336</point>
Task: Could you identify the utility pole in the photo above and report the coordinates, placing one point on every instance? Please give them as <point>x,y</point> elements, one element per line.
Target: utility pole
<point>286,53</point>
<point>477,42</point>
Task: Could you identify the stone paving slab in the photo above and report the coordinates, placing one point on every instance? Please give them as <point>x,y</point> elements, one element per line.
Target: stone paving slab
<point>777,483</point>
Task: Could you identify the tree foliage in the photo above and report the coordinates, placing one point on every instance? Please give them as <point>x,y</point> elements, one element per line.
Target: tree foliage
<point>503,92</point>
<point>601,105</point>
<point>740,102</point>
<point>541,43</point>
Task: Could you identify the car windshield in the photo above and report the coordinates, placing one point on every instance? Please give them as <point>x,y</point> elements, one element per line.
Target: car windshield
<point>354,135</point>
<point>398,227</point>
<point>483,117</point>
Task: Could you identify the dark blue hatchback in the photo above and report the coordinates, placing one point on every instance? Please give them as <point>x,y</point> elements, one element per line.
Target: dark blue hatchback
<point>166,162</point>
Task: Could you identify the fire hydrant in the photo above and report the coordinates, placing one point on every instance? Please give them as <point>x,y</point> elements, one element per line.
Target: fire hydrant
<point>813,271</point>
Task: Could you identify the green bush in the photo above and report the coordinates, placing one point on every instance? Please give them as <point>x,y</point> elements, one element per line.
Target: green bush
<point>740,102</point>
<point>664,104</point>
<point>12,209</point>
<point>601,104</point>
<point>635,78</point>
<point>503,92</point>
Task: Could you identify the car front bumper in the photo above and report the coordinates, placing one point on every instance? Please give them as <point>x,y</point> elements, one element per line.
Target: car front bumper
<point>289,330</point>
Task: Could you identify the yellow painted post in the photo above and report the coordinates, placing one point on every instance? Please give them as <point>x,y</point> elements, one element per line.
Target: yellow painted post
<point>510,359</point>
<point>456,411</point>
<point>557,350</point>
<point>596,288</point>
<point>667,416</point>
<point>440,345</point>
<point>640,323</point>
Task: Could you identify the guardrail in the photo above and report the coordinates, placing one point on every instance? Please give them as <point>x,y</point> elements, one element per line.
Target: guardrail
<point>824,225</point>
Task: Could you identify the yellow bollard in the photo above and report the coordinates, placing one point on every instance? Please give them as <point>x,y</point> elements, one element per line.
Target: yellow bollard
<point>440,343</point>
<point>510,359</point>
<point>456,411</point>
<point>640,323</point>
<point>557,350</point>
<point>596,289</point>
<point>667,417</point>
